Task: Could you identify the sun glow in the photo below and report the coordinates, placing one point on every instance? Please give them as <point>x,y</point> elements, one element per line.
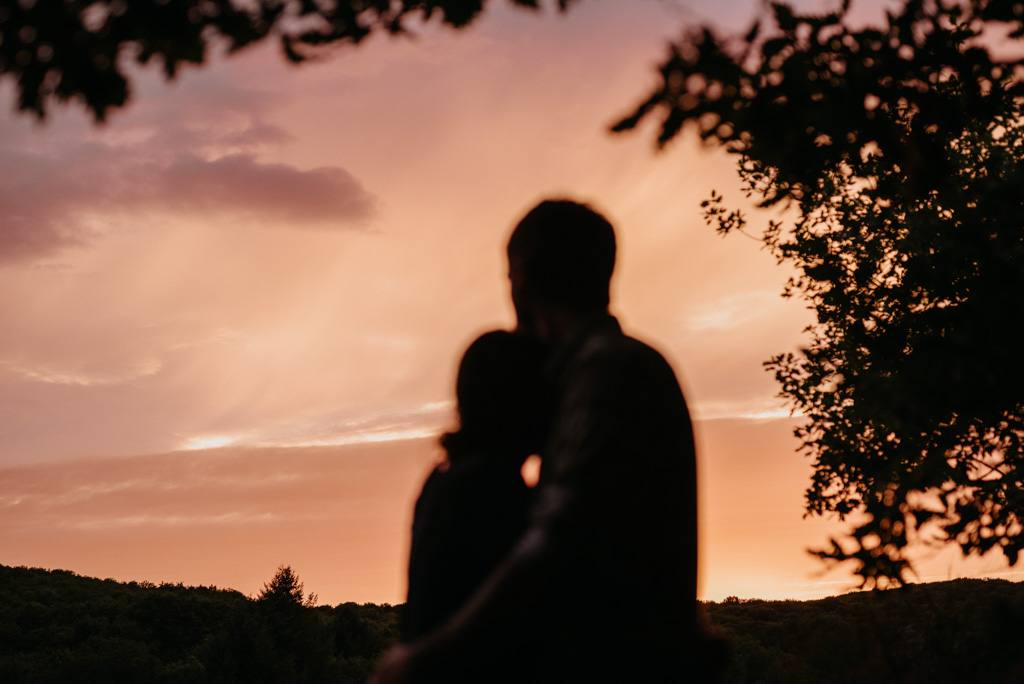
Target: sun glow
<point>209,442</point>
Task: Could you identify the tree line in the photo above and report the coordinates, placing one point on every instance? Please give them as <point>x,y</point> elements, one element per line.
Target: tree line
<point>964,630</point>
<point>56,626</point>
<point>59,627</point>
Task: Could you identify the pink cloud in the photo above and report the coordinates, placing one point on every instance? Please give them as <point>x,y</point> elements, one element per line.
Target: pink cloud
<point>326,196</point>
<point>62,186</point>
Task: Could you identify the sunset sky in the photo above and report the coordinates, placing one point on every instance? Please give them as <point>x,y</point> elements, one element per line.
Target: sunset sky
<point>230,317</point>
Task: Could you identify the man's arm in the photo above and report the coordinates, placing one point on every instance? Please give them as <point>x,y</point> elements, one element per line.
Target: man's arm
<point>467,637</point>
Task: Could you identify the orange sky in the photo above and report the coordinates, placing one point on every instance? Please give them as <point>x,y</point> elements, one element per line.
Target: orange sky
<point>231,315</point>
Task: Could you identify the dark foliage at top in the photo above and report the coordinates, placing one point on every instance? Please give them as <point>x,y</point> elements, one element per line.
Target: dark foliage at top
<point>62,49</point>
<point>57,627</point>
<point>901,151</point>
<point>808,97</point>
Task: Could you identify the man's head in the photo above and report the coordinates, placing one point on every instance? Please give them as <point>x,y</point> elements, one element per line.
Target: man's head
<point>561,255</point>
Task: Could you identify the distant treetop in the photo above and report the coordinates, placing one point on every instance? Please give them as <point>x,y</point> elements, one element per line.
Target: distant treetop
<point>284,588</point>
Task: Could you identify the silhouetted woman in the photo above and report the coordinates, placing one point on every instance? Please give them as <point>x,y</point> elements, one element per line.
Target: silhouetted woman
<point>473,506</point>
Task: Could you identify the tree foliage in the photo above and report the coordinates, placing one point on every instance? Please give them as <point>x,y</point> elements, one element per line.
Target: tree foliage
<point>284,588</point>
<point>901,149</point>
<point>58,50</point>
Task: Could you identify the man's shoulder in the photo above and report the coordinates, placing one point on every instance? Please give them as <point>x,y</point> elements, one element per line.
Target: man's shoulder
<point>610,366</point>
<point>609,345</point>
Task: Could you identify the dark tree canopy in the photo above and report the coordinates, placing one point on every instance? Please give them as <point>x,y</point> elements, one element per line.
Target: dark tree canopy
<point>901,148</point>
<point>60,50</point>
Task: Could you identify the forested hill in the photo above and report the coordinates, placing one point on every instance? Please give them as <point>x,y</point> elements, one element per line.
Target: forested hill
<point>56,626</point>
<point>961,631</point>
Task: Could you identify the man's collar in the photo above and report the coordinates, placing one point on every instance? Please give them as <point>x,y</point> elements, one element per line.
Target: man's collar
<point>563,349</point>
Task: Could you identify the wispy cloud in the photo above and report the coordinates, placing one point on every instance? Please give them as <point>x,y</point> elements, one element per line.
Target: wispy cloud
<point>422,421</point>
<point>62,376</point>
<point>742,408</point>
<point>223,516</point>
<point>730,313</point>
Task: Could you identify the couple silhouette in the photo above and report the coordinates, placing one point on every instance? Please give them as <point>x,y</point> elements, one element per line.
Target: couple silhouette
<point>591,576</point>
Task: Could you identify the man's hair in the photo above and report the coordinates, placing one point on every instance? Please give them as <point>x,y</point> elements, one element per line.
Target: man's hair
<point>567,251</point>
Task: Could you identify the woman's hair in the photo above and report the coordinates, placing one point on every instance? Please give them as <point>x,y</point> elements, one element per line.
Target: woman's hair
<point>499,393</point>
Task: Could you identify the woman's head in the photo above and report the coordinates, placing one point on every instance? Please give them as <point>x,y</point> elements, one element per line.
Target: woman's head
<point>498,389</point>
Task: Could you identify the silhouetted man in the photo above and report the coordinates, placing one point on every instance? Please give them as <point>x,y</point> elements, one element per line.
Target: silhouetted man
<point>602,587</point>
